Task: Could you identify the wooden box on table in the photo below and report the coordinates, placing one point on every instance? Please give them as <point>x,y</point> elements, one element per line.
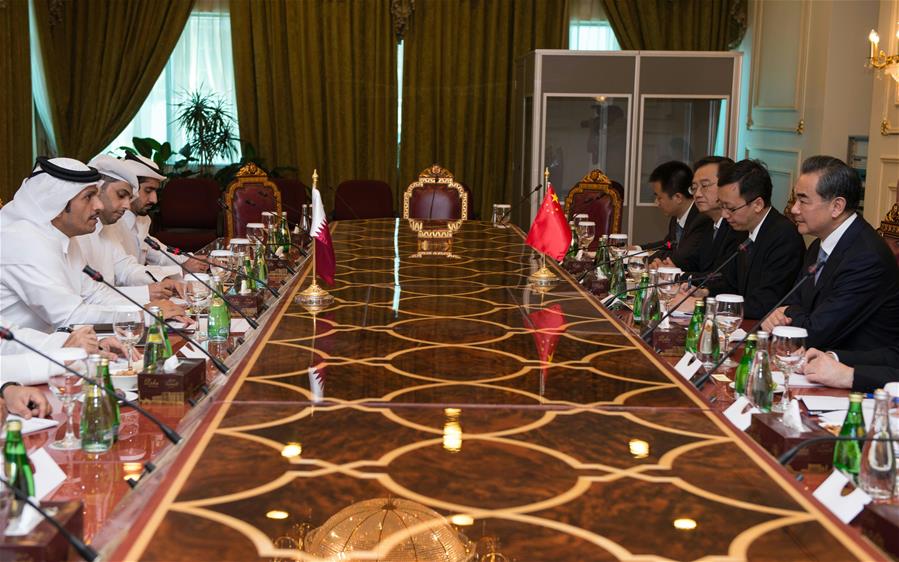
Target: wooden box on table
<point>45,543</point>
<point>177,387</point>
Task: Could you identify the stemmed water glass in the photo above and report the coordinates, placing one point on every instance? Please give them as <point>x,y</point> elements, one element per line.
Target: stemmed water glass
<point>586,231</point>
<point>668,285</point>
<point>223,257</point>
<point>256,232</point>
<point>788,349</point>
<point>577,218</point>
<point>729,318</point>
<point>68,387</point>
<point>617,245</point>
<point>197,295</point>
<point>128,325</point>
<point>636,266</point>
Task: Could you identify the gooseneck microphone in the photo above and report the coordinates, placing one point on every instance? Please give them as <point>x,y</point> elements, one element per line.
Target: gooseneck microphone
<point>6,334</point>
<point>152,243</point>
<point>83,550</point>
<point>519,202</point>
<point>809,272</point>
<point>667,245</point>
<point>714,274</point>
<point>788,455</point>
<point>684,279</point>
<point>224,206</point>
<point>177,252</point>
<point>98,277</point>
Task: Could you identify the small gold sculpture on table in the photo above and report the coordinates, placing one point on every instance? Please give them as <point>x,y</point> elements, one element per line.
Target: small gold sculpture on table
<point>313,297</point>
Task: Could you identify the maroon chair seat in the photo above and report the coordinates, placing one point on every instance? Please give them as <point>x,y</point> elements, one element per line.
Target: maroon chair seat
<point>188,213</point>
<point>247,205</point>
<point>435,202</point>
<point>294,194</point>
<point>601,199</point>
<point>363,199</point>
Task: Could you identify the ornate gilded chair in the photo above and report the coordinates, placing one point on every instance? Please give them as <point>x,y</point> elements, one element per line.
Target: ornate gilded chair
<point>436,195</point>
<point>596,196</point>
<point>251,193</point>
<point>889,228</point>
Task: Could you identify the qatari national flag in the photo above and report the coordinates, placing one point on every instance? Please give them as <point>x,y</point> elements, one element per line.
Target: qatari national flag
<point>325,263</point>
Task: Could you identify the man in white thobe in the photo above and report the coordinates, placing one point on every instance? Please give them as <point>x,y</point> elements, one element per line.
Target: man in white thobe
<point>42,285</point>
<point>134,226</point>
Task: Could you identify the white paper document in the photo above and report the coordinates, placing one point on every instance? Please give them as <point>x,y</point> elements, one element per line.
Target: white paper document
<point>796,381</point>
<point>47,474</point>
<point>844,507</point>
<point>740,413</point>
<point>33,425</point>
<point>239,325</point>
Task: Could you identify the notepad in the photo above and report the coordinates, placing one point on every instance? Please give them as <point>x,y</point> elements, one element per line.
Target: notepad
<point>796,381</point>
<point>33,425</point>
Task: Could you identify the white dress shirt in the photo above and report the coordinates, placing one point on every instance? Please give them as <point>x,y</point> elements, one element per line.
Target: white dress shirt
<point>829,243</point>
<point>121,269</point>
<point>758,227</point>
<point>42,285</point>
<point>682,220</point>
<point>130,232</point>
<point>20,364</point>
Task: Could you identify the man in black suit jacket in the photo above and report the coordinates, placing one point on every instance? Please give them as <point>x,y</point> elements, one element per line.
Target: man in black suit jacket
<point>767,270</point>
<point>861,371</point>
<point>721,241</point>
<point>687,226</point>
<point>852,302</point>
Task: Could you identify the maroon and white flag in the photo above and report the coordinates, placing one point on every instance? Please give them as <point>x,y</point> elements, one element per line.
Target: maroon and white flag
<point>325,263</point>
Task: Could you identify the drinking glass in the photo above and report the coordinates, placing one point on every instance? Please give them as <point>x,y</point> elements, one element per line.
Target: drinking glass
<point>668,285</point>
<point>586,231</point>
<point>636,266</point>
<point>579,217</point>
<point>239,245</point>
<point>68,387</point>
<point>256,232</point>
<point>788,349</point>
<point>128,325</point>
<point>501,214</point>
<point>307,217</point>
<point>729,318</point>
<point>222,257</point>
<point>617,246</point>
<point>268,220</point>
<point>198,296</point>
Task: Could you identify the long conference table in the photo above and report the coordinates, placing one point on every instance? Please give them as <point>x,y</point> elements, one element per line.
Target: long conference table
<point>443,395</point>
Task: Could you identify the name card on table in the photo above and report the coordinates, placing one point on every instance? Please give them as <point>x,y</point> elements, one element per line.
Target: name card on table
<point>844,507</point>
<point>740,413</point>
<point>47,474</point>
<point>688,365</point>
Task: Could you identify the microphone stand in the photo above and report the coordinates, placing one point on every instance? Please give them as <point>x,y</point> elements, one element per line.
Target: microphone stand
<point>83,550</point>
<point>178,252</point>
<point>666,245</point>
<point>172,436</point>
<point>520,201</point>
<point>152,243</point>
<point>788,455</point>
<point>98,277</point>
<point>708,374</point>
<point>714,274</point>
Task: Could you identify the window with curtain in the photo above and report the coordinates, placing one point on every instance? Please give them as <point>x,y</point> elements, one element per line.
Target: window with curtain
<point>589,29</point>
<point>201,61</point>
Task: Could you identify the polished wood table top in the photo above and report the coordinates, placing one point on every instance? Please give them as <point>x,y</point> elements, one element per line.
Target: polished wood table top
<point>537,424</point>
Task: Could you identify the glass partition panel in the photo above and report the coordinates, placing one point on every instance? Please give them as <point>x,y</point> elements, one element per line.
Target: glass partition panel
<point>585,133</point>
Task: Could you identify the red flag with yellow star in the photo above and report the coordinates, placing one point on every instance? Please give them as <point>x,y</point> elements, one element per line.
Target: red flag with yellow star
<point>550,233</point>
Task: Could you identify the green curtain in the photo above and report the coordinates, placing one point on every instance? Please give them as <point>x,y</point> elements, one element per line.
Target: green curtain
<point>101,59</point>
<point>316,86</point>
<point>459,64</point>
<point>677,25</point>
<point>15,97</point>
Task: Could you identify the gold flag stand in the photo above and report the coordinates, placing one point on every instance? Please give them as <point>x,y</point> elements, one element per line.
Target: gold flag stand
<point>543,277</point>
<point>313,297</point>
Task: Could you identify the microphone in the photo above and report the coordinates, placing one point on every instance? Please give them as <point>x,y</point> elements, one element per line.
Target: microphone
<point>224,206</point>
<point>177,252</point>
<point>520,201</point>
<point>96,276</point>
<point>152,243</point>
<point>83,550</point>
<point>683,279</point>
<point>809,272</point>
<point>668,245</point>
<point>714,274</point>
<point>788,455</point>
<point>6,334</point>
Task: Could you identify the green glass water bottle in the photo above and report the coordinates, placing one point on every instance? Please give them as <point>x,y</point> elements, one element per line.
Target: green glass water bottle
<point>154,349</point>
<point>106,379</point>
<point>651,314</point>
<point>219,316</point>
<point>742,373</point>
<point>847,455</point>
<point>760,386</point>
<point>285,235</point>
<point>18,469</point>
<point>618,284</point>
<point>640,296</point>
<point>692,340</point>
<point>603,258</point>
<point>261,265</point>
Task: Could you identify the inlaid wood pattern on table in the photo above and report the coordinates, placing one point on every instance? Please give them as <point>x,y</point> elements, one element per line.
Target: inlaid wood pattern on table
<point>450,383</point>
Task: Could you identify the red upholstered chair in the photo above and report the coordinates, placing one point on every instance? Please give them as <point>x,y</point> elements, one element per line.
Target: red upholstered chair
<point>188,213</point>
<point>363,199</point>
<point>247,197</point>
<point>435,196</point>
<point>294,194</point>
<point>889,229</point>
<point>596,196</point>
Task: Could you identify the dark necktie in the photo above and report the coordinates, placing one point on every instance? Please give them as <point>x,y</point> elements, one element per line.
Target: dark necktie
<point>822,256</point>
<point>678,232</point>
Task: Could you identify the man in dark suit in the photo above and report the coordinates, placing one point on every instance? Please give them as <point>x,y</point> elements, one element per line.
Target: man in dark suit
<point>767,270</point>
<point>721,241</point>
<point>852,301</point>
<point>861,371</point>
<point>687,226</point>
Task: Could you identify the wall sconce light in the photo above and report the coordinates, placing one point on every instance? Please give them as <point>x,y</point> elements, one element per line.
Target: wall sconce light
<point>879,60</point>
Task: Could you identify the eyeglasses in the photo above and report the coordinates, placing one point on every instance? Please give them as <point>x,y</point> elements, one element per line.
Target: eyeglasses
<point>696,188</point>
<point>730,211</point>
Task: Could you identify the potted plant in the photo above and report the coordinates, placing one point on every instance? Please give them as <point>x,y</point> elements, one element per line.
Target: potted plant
<point>209,127</point>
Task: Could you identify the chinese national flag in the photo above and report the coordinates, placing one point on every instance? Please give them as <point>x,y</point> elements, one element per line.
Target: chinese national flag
<point>550,233</point>
<point>548,326</point>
